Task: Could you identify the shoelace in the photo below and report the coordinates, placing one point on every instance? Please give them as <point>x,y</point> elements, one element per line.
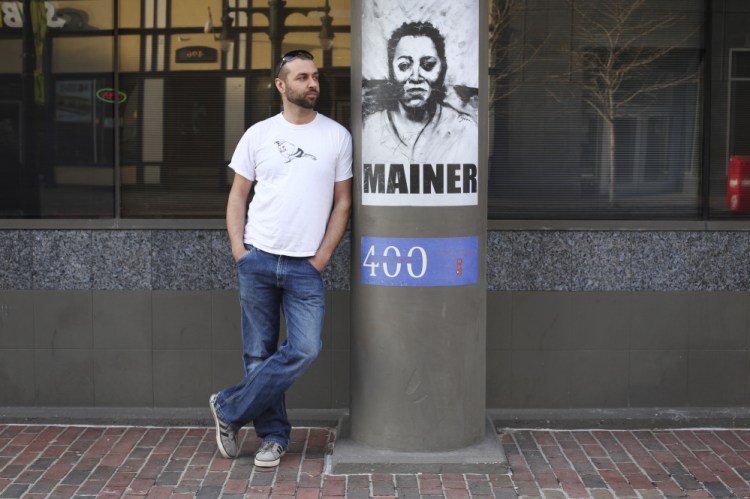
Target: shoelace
<point>269,446</point>
<point>225,429</point>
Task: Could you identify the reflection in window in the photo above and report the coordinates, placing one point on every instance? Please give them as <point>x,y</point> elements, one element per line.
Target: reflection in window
<point>146,127</point>
<point>595,109</point>
<point>739,127</point>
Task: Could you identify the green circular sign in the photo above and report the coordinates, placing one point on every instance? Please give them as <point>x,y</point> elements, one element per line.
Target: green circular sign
<point>108,95</point>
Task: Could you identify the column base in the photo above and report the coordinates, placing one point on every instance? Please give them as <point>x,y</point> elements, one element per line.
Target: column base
<point>349,457</point>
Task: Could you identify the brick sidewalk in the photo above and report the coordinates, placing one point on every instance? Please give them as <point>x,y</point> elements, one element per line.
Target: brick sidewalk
<point>68,461</point>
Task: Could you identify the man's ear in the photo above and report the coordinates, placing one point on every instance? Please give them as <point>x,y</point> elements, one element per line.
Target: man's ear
<point>279,85</point>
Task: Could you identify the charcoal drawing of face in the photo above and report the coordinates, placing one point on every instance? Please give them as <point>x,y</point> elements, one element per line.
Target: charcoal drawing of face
<point>417,66</point>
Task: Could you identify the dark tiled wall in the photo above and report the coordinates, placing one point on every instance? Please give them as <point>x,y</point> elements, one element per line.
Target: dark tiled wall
<point>613,350</point>
<point>159,348</point>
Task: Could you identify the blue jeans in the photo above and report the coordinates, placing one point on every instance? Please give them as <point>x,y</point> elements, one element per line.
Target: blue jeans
<point>270,283</point>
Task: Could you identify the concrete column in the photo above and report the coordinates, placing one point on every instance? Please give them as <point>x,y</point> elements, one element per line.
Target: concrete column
<point>419,233</point>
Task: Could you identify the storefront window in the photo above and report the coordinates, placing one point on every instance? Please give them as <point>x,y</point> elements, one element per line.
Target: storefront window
<point>58,133</point>
<point>132,108</point>
<point>596,109</point>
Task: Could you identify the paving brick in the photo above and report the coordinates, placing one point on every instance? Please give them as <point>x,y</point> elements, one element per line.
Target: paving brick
<point>41,461</point>
<point>430,486</point>
<point>14,490</point>
<point>29,476</point>
<point>308,493</point>
<point>691,440</point>
<point>703,494</point>
<point>579,460</point>
<point>43,486</point>
<point>160,492</point>
<point>262,479</point>
<point>553,494</point>
<point>383,487</point>
<point>359,493</point>
<point>215,478</point>
<point>454,481</point>
<point>11,471</point>
<point>457,494</point>
<point>306,480</point>
<point>140,486</point>
<point>406,481</point>
<point>567,441</point>
<point>527,488</point>
<point>639,481</point>
<point>547,480</point>
<point>505,493</point>
<point>610,443</point>
<point>91,487</point>
<point>593,481</point>
<point>57,471</point>
<point>544,438</point>
<point>652,494</point>
<point>601,494</point>
<point>479,487</point>
<point>258,492</point>
<point>284,487</point>
<point>168,478</point>
<point>670,489</point>
<point>333,486</point>
<point>64,491</point>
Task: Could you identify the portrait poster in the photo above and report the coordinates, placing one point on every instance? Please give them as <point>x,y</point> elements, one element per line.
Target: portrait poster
<point>420,79</point>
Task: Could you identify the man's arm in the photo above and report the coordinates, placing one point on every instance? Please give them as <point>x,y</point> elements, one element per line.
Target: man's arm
<point>342,209</point>
<point>236,213</point>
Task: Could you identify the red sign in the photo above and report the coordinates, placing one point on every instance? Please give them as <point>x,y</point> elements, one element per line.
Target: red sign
<point>738,184</point>
<point>108,95</point>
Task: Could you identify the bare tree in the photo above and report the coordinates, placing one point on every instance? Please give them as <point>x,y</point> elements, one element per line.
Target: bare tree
<point>612,55</point>
<point>508,52</point>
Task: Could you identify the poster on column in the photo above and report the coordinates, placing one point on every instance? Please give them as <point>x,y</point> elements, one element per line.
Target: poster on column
<point>419,103</point>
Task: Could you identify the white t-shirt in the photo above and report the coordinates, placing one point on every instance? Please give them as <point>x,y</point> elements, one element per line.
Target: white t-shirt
<point>294,168</point>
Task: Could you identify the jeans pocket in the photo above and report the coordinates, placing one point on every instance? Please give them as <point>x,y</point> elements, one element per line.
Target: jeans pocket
<point>309,264</point>
<point>246,256</point>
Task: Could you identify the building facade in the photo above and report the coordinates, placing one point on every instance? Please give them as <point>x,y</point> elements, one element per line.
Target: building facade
<point>618,236</point>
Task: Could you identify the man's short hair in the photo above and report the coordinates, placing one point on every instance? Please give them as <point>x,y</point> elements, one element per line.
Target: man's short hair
<point>418,29</point>
<point>289,57</point>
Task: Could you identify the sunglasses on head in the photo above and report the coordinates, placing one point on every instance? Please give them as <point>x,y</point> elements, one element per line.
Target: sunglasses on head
<point>294,54</point>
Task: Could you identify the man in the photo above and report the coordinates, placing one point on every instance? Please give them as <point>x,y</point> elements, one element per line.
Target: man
<point>300,165</point>
<point>415,124</point>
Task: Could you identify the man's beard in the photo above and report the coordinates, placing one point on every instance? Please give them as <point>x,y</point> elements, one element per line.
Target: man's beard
<point>302,100</point>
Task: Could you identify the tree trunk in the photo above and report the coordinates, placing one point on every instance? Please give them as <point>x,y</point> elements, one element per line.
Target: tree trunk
<point>611,159</point>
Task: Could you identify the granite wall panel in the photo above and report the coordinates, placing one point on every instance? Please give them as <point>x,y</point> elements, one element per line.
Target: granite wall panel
<point>178,260</point>
<point>618,261</point>
<point>121,260</point>
<point>16,248</point>
<point>542,260</point>
<point>61,259</point>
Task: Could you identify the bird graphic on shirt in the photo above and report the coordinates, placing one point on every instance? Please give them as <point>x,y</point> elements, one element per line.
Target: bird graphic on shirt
<point>291,151</point>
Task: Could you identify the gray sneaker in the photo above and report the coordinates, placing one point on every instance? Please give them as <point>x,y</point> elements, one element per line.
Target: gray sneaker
<point>226,436</point>
<point>269,454</point>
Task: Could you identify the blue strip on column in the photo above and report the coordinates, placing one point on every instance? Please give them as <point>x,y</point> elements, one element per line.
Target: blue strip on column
<point>440,261</point>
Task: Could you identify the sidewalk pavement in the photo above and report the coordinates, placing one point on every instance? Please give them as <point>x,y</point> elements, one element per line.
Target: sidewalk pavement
<point>111,461</point>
